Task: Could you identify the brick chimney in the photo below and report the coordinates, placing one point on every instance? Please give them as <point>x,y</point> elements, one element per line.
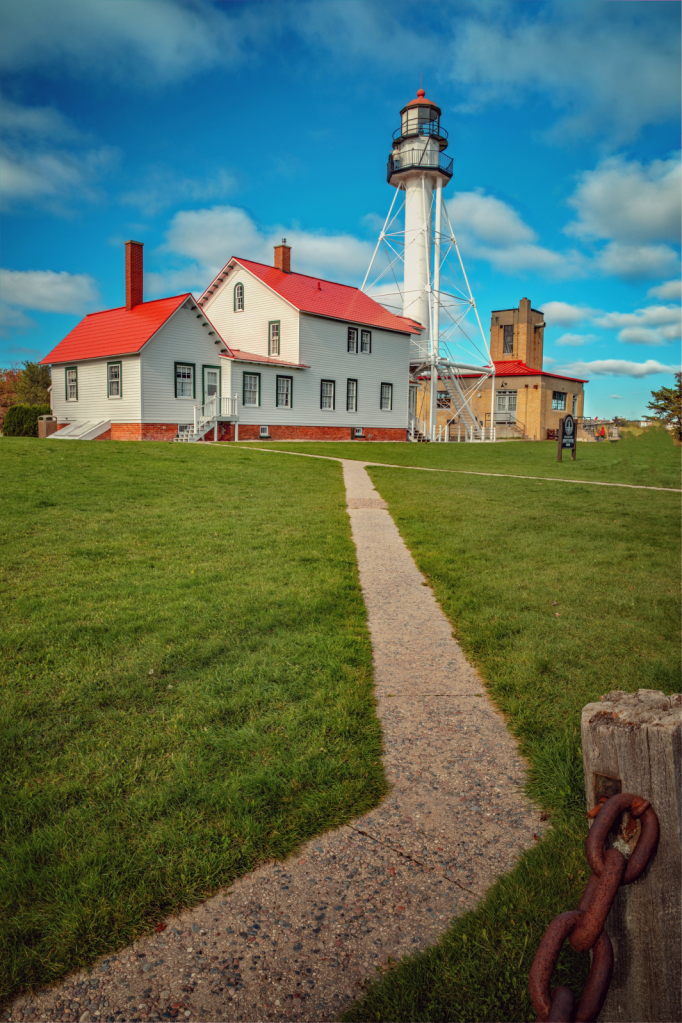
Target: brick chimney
<point>134,274</point>
<point>283,257</point>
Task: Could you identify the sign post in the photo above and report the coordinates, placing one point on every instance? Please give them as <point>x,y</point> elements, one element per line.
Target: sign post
<point>566,437</point>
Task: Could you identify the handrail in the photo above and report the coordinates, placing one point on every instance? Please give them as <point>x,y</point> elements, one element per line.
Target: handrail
<point>431,128</point>
<point>427,161</point>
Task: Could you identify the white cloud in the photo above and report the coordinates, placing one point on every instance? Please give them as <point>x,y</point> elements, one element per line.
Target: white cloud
<point>48,291</point>
<point>618,368</point>
<point>134,41</point>
<point>617,397</point>
<point>637,262</point>
<point>575,340</point>
<point>209,237</point>
<point>490,229</point>
<point>36,166</point>
<point>629,202</point>
<point>609,70</point>
<point>162,188</point>
<point>563,314</point>
<point>653,325</point>
<point>13,320</point>
<point>667,290</point>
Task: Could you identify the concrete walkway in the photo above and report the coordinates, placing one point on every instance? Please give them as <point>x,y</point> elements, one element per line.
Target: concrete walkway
<point>297,940</point>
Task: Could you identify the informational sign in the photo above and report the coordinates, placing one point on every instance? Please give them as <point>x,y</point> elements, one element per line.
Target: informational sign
<point>567,437</point>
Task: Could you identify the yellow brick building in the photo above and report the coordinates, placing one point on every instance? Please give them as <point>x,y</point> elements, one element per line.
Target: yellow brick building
<point>529,401</point>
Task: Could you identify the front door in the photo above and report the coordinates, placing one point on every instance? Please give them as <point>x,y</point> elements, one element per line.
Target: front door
<point>505,407</point>
<point>211,382</point>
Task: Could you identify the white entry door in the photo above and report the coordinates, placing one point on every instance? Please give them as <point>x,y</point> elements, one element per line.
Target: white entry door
<point>505,407</point>
<point>211,382</point>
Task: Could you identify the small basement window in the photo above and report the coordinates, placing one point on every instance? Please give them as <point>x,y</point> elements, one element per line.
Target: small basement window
<point>265,431</point>
<point>559,400</point>
<point>357,431</point>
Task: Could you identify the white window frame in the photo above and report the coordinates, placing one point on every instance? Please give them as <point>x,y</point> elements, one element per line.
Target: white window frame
<point>238,297</point>
<point>386,397</point>
<point>183,380</point>
<point>366,342</point>
<point>288,392</point>
<point>328,400</point>
<point>251,404</point>
<point>558,401</point>
<point>118,381</point>
<point>353,334</point>
<point>351,395</point>
<point>71,383</point>
<point>274,335</point>
<point>575,405</point>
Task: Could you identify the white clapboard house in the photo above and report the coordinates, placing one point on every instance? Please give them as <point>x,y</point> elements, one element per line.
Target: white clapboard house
<point>264,353</point>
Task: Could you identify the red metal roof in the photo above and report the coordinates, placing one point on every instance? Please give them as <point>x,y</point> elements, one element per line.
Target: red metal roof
<point>324,298</point>
<point>240,356</point>
<point>114,331</point>
<point>422,101</point>
<point>516,368</point>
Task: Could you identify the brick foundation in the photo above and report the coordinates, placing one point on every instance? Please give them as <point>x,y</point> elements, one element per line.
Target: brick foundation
<point>105,436</point>
<point>247,431</point>
<point>291,433</point>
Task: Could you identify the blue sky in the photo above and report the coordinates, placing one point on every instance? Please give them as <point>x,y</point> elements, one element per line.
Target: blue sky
<point>208,130</point>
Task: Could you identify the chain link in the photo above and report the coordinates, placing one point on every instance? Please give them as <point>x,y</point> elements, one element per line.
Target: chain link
<point>584,927</point>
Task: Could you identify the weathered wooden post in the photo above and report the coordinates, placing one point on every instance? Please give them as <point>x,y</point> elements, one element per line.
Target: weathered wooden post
<point>632,742</point>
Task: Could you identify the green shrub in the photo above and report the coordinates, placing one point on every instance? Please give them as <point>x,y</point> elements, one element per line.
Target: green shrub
<point>22,420</point>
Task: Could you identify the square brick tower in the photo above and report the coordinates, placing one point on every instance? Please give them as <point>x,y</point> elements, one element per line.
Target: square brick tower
<point>517,334</point>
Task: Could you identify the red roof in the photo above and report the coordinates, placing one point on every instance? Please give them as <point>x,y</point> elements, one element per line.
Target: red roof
<point>422,101</point>
<point>114,331</point>
<point>516,368</point>
<point>240,356</point>
<point>324,298</point>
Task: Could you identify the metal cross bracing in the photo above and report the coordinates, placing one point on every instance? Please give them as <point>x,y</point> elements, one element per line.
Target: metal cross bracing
<point>451,348</point>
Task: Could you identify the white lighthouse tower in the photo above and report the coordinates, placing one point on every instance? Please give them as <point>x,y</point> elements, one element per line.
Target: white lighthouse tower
<point>435,290</point>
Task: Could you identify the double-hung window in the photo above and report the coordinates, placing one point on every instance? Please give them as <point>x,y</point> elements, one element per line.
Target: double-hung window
<point>559,400</point>
<point>327,388</point>
<point>386,397</point>
<point>366,341</point>
<point>114,380</point>
<point>508,343</point>
<point>352,339</point>
<point>575,404</point>
<point>285,386</point>
<point>251,392</point>
<point>239,298</point>
<point>351,395</point>
<point>273,337</point>
<point>184,380</point>
<point>72,384</point>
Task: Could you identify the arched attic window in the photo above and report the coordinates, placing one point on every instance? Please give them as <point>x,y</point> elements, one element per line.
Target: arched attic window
<point>239,298</point>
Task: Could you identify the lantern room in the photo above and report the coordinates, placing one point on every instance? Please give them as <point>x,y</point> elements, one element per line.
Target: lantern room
<point>421,117</point>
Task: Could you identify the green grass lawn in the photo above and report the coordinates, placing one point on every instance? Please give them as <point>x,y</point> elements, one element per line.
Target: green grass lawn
<point>651,459</point>
<point>186,684</point>
<point>559,595</point>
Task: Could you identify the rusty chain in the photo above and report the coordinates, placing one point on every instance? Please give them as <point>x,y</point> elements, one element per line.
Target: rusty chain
<point>584,926</point>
